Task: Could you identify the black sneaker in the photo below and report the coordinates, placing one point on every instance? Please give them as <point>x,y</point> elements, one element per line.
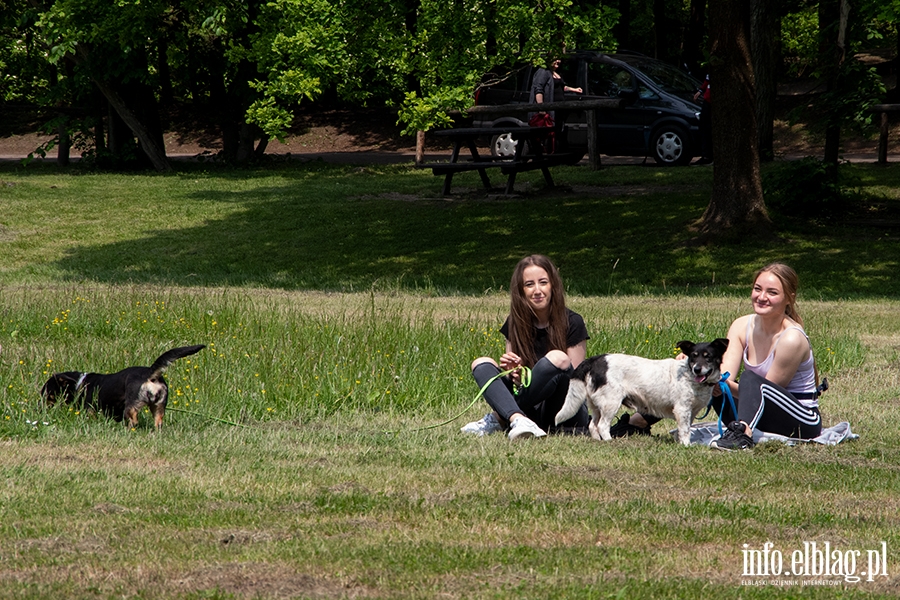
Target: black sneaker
<point>734,438</point>
<point>623,428</point>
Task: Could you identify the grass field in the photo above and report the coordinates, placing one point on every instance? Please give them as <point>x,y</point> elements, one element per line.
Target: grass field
<point>341,307</point>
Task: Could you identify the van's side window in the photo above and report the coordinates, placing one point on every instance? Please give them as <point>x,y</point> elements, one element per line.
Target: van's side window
<point>608,80</point>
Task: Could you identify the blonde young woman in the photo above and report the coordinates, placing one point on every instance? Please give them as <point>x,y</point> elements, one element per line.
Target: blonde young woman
<point>777,388</point>
<point>544,335</point>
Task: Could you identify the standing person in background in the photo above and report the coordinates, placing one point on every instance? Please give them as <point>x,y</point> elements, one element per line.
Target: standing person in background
<point>542,334</point>
<point>706,147</point>
<point>548,85</point>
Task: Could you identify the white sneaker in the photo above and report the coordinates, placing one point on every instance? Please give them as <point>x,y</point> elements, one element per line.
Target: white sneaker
<point>523,428</point>
<point>486,426</point>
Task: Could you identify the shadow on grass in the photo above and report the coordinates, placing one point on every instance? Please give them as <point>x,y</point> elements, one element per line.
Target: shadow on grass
<point>297,236</point>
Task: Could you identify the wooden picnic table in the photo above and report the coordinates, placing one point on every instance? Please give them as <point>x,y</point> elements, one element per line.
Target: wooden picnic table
<point>467,137</point>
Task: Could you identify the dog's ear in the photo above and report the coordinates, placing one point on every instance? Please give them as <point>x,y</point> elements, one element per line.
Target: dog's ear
<point>685,346</point>
<point>60,383</point>
<point>67,378</point>
<point>721,343</point>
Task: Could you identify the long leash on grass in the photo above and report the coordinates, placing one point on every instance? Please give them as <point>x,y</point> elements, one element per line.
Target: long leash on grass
<point>196,414</point>
<point>524,377</point>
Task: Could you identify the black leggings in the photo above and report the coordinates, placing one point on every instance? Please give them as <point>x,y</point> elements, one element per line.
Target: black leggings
<point>540,401</point>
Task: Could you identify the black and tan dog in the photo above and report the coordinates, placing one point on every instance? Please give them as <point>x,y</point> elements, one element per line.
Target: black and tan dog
<point>119,395</point>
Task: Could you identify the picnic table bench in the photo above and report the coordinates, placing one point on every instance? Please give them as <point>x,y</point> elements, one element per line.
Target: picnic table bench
<point>884,109</point>
<point>529,155</point>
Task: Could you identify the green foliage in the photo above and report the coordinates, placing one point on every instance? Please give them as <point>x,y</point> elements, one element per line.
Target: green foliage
<point>301,45</point>
<point>847,87</point>
<point>847,104</point>
<point>799,41</point>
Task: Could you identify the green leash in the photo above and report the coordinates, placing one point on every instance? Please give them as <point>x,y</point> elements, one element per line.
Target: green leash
<point>526,381</point>
<point>187,412</point>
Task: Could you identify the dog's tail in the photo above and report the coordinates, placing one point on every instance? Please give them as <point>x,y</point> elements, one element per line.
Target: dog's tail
<point>575,397</point>
<point>171,356</point>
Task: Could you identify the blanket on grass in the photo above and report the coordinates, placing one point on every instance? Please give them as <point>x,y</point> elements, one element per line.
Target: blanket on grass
<point>704,433</point>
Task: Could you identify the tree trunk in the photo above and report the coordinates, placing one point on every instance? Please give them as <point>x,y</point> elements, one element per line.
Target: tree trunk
<point>119,139</point>
<point>260,150</point>
<point>98,107</point>
<point>65,143</point>
<point>238,136</point>
<point>831,28</point>
<point>166,95</point>
<point>765,37</point>
<point>154,152</point>
<point>667,33</point>
<point>659,29</point>
<point>736,208</point>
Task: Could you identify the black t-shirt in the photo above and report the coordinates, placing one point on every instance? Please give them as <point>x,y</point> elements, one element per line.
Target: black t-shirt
<point>576,333</point>
<point>559,87</point>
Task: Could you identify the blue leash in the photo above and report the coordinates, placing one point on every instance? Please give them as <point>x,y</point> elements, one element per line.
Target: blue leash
<point>726,392</point>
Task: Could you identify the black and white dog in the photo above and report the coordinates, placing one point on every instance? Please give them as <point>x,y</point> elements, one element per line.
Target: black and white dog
<point>667,388</point>
<point>119,395</point>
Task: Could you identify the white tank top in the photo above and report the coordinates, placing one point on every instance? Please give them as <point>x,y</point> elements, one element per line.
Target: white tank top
<point>804,380</point>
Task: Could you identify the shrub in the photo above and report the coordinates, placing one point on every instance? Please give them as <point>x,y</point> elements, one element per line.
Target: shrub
<point>806,189</point>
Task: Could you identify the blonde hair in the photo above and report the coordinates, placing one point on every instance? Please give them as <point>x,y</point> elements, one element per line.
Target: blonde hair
<point>790,282</point>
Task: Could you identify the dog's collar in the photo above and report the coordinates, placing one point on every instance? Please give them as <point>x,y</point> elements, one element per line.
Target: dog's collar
<point>80,381</point>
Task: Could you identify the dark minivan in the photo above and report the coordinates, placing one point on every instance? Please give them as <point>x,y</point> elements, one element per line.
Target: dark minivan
<point>659,116</point>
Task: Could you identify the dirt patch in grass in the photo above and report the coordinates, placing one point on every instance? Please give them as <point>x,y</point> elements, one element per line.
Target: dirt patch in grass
<point>258,580</point>
<point>238,580</point>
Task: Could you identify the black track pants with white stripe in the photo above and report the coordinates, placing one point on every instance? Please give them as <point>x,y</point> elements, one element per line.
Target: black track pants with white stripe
<point>769,407</point>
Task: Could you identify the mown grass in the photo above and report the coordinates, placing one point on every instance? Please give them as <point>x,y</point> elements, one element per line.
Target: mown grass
<point>318,227</point>
<point>292,463</point>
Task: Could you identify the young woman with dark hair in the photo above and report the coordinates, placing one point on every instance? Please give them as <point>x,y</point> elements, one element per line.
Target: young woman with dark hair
<point>544,335</point>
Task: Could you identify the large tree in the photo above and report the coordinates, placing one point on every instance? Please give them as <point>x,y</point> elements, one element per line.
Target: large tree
<point>765,34</point>
<point>736,207</point>
<point>107,44</point>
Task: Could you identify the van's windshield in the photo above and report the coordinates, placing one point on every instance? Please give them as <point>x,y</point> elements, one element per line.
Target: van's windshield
<point>667,77</point>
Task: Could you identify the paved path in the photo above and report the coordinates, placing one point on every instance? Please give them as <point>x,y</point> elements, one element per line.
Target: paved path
<point>375,158</point>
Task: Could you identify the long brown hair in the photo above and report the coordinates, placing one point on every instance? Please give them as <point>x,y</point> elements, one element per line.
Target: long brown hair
<point>522,318</point>
<point>790,282</point>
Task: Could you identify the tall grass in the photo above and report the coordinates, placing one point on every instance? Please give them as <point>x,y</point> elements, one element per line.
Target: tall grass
<point>292,463</point>
<point>300,356</point>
